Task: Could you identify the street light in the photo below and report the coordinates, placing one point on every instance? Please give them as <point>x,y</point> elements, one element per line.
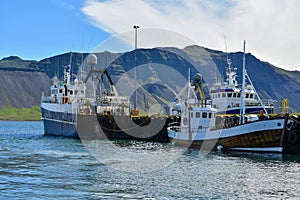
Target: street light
<point>135,62</point>
<point>135,43</point>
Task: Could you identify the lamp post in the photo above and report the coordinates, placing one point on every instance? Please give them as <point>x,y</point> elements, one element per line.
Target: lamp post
<point>135,43</point>
<point>135,63</point>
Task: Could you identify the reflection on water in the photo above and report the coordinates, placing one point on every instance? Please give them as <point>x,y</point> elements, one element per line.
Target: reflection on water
<point>34,166</point>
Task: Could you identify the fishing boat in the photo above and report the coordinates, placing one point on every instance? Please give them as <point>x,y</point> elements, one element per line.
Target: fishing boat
<point>201,127</point>
<point>74,109</point>
<point>68,100</point>
<point>226,96</point>
<point>118,121</point>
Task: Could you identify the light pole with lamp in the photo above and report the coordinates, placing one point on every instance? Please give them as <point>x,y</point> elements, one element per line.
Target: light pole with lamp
<point>135,63</point>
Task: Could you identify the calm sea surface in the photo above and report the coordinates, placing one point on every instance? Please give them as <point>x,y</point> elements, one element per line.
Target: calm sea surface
<point>34,166</point>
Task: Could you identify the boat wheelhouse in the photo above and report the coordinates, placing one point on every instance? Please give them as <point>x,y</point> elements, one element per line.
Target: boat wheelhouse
<point>226,96</point>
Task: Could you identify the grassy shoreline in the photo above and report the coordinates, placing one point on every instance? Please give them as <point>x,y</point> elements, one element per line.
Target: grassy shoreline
<point>20,114</point>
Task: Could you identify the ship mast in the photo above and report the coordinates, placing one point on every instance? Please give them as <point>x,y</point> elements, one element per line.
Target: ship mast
<point>242,118</point>
<point>70,68</point>
<point>189,83</point>
<point>67,72</point>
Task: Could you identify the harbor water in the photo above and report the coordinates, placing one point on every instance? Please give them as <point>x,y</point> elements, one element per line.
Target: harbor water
<point>35,166</point>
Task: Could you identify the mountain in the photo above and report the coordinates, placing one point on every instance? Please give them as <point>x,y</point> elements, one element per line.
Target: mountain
<point>13,63</point>
<point>21,85</point>
<point>22,82</point>
<point>269,81</point>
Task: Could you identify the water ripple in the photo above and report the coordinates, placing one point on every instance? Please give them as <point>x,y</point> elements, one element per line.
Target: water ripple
<point>33,166</point>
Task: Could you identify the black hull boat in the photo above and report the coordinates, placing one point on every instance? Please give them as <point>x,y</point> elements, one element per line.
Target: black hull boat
<point>291,137</point>
<point>114,127</point>
<point>145,128</point>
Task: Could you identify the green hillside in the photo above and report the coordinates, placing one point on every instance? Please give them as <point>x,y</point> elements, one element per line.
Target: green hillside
<point>23,114</point>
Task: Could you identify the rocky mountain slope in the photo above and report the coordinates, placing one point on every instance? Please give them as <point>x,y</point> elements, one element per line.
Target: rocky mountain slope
<point>22,82</point>
<point>20,85</point>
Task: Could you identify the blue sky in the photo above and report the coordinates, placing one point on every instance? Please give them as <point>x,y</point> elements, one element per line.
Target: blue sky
<point>36,29</point>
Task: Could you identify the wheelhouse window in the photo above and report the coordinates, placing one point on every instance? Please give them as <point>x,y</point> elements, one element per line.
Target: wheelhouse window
<point>197,114</point>
<point>54,91</point>
<point>239,95</point>
<point>229,94</point>
<point>247,95</point>
<point>223,94</point>
<point>192,114</point>
<point>209,115</point>
<point>204,115</point>
<point>60,91</point>
<point>234,94</point>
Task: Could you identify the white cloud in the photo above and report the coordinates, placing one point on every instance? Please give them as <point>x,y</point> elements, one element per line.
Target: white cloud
<point>271,27</point>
